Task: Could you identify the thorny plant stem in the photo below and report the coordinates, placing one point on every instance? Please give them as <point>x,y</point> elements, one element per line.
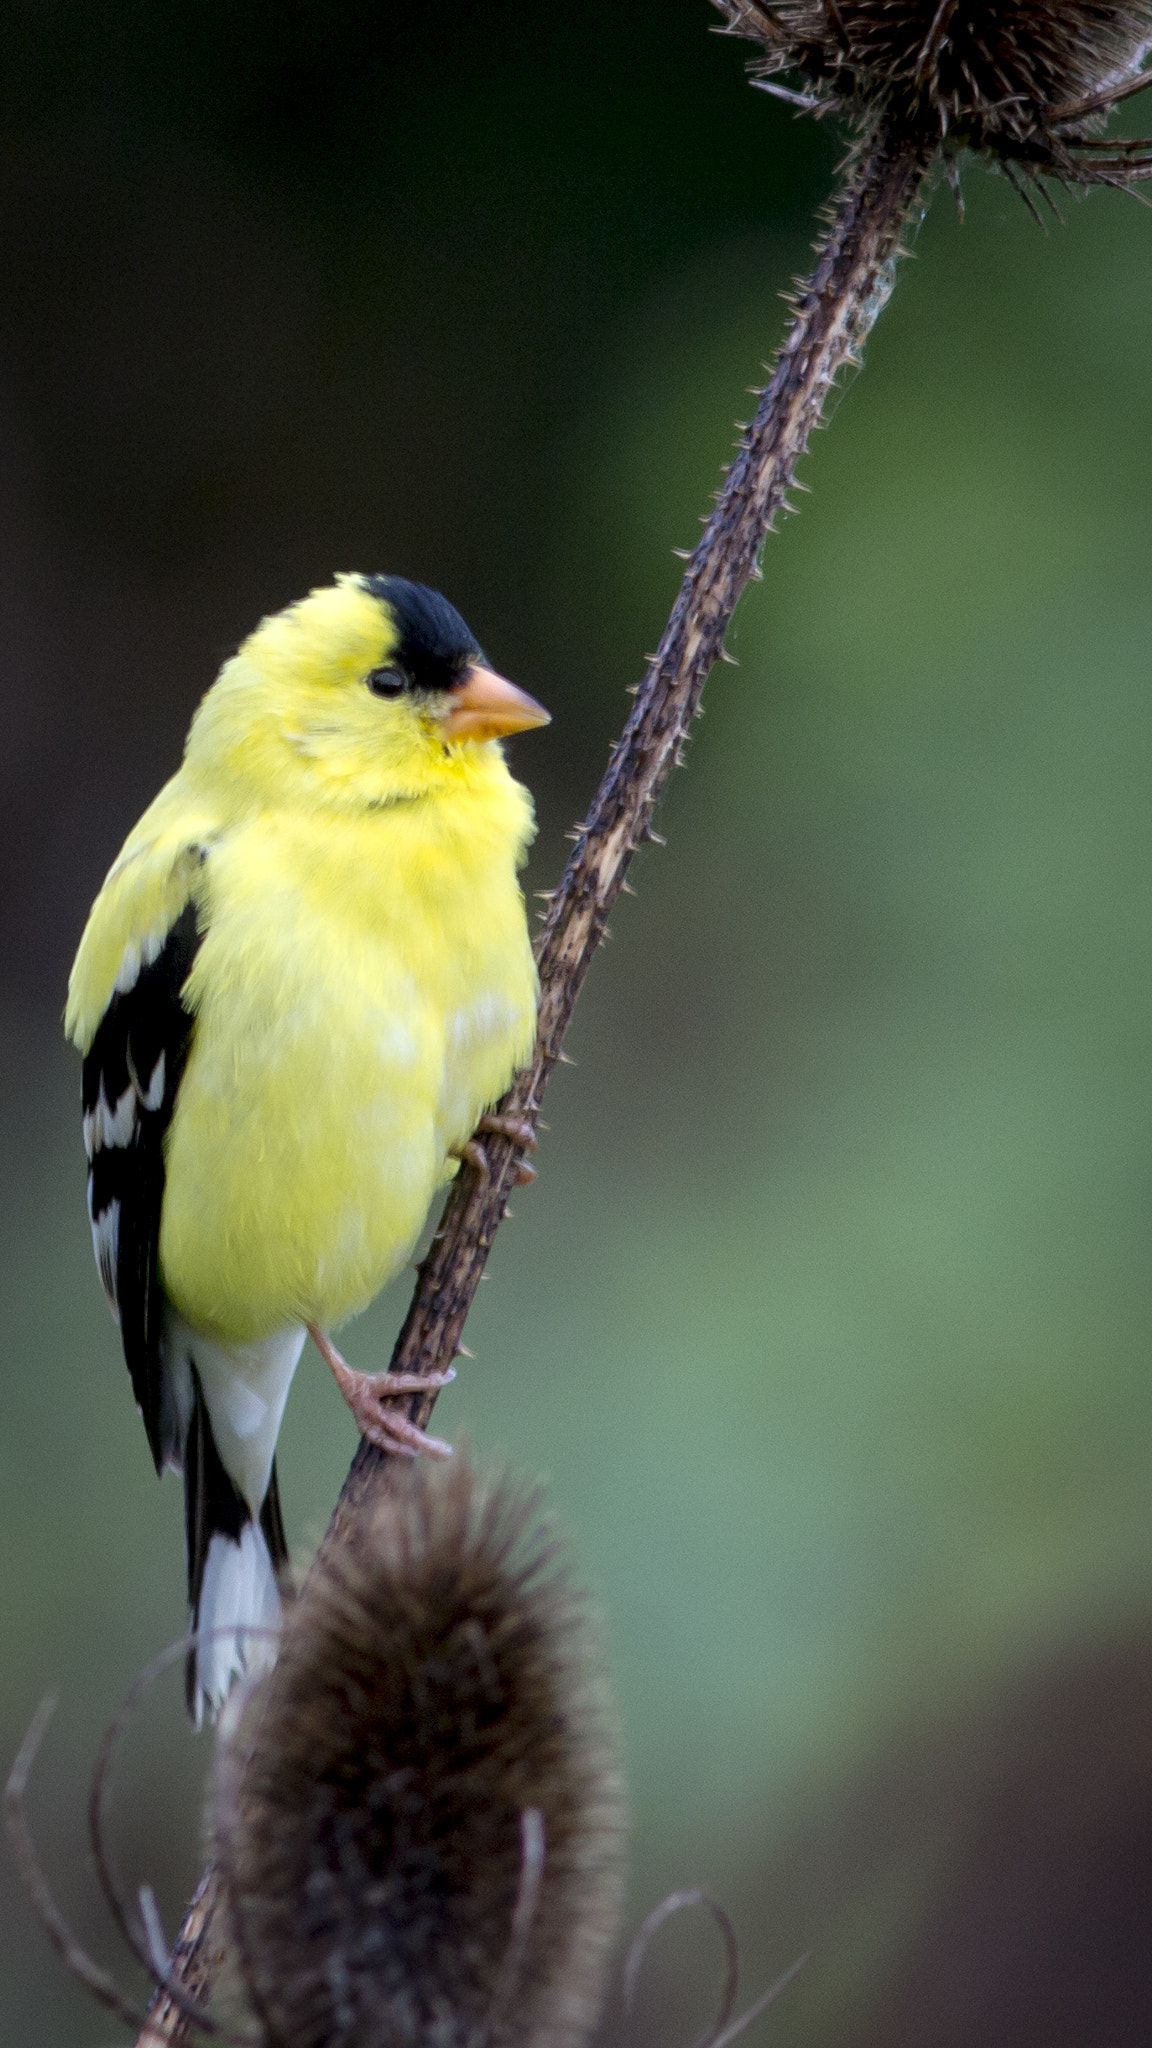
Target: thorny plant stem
<point>194,1963</point>
<point>849,287</point>
<point>834,312</point>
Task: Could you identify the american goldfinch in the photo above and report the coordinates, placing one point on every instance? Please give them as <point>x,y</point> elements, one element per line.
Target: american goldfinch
<point>304,979</point>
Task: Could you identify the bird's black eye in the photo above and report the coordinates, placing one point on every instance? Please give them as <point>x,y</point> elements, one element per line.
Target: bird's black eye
<point>387,682</point>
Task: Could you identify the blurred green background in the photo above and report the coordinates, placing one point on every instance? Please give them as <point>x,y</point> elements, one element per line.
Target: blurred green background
<point>828,1320</point>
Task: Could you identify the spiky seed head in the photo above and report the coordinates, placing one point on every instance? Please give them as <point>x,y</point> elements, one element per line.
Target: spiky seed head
<point>436,1684</point>
<point>1027,81</point>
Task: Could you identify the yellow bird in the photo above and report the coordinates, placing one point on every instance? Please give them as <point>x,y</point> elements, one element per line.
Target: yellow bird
<point>304,980</point>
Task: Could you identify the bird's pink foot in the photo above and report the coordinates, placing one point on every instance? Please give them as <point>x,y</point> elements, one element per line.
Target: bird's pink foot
<point>369,1396</point>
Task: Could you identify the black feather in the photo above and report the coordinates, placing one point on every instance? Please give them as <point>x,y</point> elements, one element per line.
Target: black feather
<point>148,1021</point>
<point>435,644</point>
<point>272,1523</point>
<point>213,1506</point>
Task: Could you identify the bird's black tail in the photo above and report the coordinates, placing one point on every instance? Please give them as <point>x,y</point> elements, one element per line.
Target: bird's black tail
<point>234,1566</point>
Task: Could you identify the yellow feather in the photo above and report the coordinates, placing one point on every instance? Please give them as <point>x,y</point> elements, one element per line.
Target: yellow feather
<point>365,986</point>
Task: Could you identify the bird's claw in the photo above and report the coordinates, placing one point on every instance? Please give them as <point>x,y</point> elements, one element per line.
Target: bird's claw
<point>369,1395</point>
<point>517,1128</point>
<point>398,1437</point>
<point>369,1399</point>
<point>472,1154</point>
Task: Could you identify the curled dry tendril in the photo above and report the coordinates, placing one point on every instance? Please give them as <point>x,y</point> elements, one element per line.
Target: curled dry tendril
<point>141,1926</point>
<point>724,2028</point>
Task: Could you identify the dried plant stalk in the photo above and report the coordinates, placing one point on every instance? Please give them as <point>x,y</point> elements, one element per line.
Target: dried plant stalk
<point>835,310</point>
<point>847,290</point>
<point>1024,85</point>
<point>194,1964</point>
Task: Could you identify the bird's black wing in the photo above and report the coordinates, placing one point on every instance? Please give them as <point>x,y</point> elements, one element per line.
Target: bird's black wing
<point>131,1074</point>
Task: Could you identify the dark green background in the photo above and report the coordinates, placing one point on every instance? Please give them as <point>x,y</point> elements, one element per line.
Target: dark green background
<point>829,1317</point>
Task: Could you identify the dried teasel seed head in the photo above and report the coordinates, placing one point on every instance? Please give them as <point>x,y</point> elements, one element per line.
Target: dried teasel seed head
<point>418,1812</point>
<point>1025,81</point>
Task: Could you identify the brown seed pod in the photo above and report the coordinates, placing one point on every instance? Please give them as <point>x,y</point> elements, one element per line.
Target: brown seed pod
<point>1026,81</point>
<point>418,1812</point>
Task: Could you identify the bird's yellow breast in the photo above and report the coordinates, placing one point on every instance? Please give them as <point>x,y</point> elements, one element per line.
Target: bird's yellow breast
<point>364,988</point>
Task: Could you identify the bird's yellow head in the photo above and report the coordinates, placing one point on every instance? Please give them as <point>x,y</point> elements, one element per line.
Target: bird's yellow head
<point>365,693</point>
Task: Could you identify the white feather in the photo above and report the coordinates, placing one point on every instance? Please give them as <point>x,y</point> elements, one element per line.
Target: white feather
<point>104,1126</point>
<point>239,1592</point>
<point>128,971</point>
<point>106,1245</point>
<point>245,1388</point>
<point>153,1096</point>
<point>139,953</point>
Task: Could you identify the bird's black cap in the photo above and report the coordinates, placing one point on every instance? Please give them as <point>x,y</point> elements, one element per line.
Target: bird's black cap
<point>435,644</point>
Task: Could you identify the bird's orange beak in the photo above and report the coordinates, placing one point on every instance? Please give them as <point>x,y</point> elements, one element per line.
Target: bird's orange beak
<point>485,706</point>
